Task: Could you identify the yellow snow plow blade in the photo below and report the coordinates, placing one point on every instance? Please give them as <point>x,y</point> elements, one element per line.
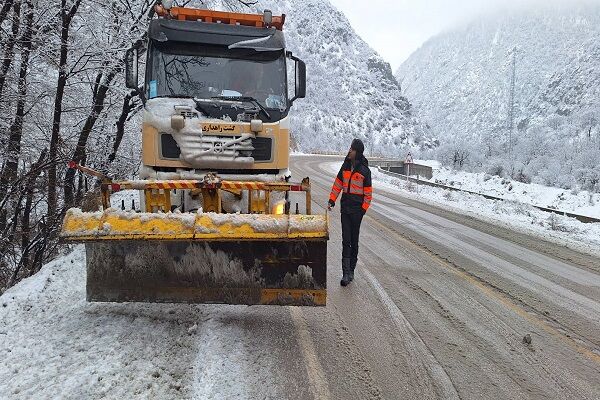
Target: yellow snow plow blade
<point>202,258</point>
<point>117,225</point>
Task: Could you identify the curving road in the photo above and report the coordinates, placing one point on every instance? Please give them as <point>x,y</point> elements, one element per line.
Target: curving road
<point>442,305</point>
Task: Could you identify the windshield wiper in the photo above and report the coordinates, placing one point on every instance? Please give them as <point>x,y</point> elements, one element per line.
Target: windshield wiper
<point>246,99</point>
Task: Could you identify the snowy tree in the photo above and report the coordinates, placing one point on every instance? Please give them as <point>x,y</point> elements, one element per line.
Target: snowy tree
<point>61,84</point>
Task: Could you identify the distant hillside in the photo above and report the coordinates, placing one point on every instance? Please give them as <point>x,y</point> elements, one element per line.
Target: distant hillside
<point>459,83</point>
<point>352,92</point>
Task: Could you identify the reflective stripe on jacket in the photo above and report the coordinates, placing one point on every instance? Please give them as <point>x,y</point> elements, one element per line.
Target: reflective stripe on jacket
<point>355,184</point>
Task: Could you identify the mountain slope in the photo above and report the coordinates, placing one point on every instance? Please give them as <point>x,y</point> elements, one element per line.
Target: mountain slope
<point>575,89</point>
<point>351,91</point>
<point>459,82</point>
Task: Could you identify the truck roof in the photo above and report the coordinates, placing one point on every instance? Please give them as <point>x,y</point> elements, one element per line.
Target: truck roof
<point>233,36</point>
<point>267,19</point>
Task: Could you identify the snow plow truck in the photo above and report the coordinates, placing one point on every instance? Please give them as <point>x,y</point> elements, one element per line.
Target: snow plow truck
<point>219,218</point>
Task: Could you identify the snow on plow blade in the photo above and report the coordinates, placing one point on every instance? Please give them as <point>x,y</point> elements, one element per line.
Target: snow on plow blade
<point>202,258</point>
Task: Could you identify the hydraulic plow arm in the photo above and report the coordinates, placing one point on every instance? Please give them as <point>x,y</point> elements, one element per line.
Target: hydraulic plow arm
<point>157,193</point>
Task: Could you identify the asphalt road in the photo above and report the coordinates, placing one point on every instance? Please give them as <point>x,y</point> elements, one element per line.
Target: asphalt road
<point>443,306</point>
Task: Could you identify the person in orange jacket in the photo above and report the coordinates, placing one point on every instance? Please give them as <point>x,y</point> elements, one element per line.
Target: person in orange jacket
<point>354,180</point>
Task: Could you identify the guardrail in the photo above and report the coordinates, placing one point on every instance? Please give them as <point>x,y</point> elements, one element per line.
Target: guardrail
<point>400,167</point>
<point>326,153</point>
<point>373,158</point>
<point>385,162</point>
<point>582,218</point>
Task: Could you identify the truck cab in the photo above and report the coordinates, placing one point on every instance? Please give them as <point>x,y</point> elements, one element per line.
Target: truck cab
<point>216,94</point>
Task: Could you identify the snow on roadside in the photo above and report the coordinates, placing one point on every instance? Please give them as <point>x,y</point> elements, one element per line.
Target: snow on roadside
<point>514,215</point>
<point>53,344</point>
<point>434,164</point>
<point>578,202</point>
<point>235,357</point>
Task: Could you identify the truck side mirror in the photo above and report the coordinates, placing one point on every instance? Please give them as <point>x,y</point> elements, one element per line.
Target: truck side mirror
<point>300,78</point>
<point>131,68</point>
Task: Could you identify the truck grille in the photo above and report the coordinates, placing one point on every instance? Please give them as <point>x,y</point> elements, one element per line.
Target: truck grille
<point>259,148</point>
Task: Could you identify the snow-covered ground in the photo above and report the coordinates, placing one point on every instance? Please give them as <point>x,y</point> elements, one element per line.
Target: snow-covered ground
<point>516,213</point>
<point>578,202</point>
<point>54,344</point>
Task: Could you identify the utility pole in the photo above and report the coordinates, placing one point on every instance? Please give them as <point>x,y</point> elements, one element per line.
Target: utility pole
<point>511,107</point>
<point>511,101</point>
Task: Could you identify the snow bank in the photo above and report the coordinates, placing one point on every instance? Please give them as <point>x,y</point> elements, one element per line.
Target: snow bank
<point>578,202</point>
<point>435,165</point>
<point>55,345</point>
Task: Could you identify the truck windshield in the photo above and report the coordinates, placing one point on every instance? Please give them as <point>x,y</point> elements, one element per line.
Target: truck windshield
<point>207,72</point>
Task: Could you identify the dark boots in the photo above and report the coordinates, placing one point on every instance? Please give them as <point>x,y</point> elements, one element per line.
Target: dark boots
<point>352,267</point>
<point>348,266</point>
<point>346,270</point>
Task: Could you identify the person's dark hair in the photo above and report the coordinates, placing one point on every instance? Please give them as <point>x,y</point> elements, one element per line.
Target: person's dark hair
<point>358,145</point>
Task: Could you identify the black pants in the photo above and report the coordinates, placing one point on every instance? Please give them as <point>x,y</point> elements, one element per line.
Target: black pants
<point>350,232</point>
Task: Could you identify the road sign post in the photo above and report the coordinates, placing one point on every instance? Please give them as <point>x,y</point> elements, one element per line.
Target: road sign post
<point>408,160</point>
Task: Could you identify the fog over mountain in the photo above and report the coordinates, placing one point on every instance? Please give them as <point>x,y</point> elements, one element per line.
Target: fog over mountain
<point>460,84</point>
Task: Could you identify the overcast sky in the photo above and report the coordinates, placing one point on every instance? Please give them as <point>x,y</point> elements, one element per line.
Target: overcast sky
<point>396,28</point>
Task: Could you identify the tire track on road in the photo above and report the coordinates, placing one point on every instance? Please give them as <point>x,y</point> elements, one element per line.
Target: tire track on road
<point>416,345</point>
<point>316,376</point>
<point>522,309</point>
<point>564,367</point>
